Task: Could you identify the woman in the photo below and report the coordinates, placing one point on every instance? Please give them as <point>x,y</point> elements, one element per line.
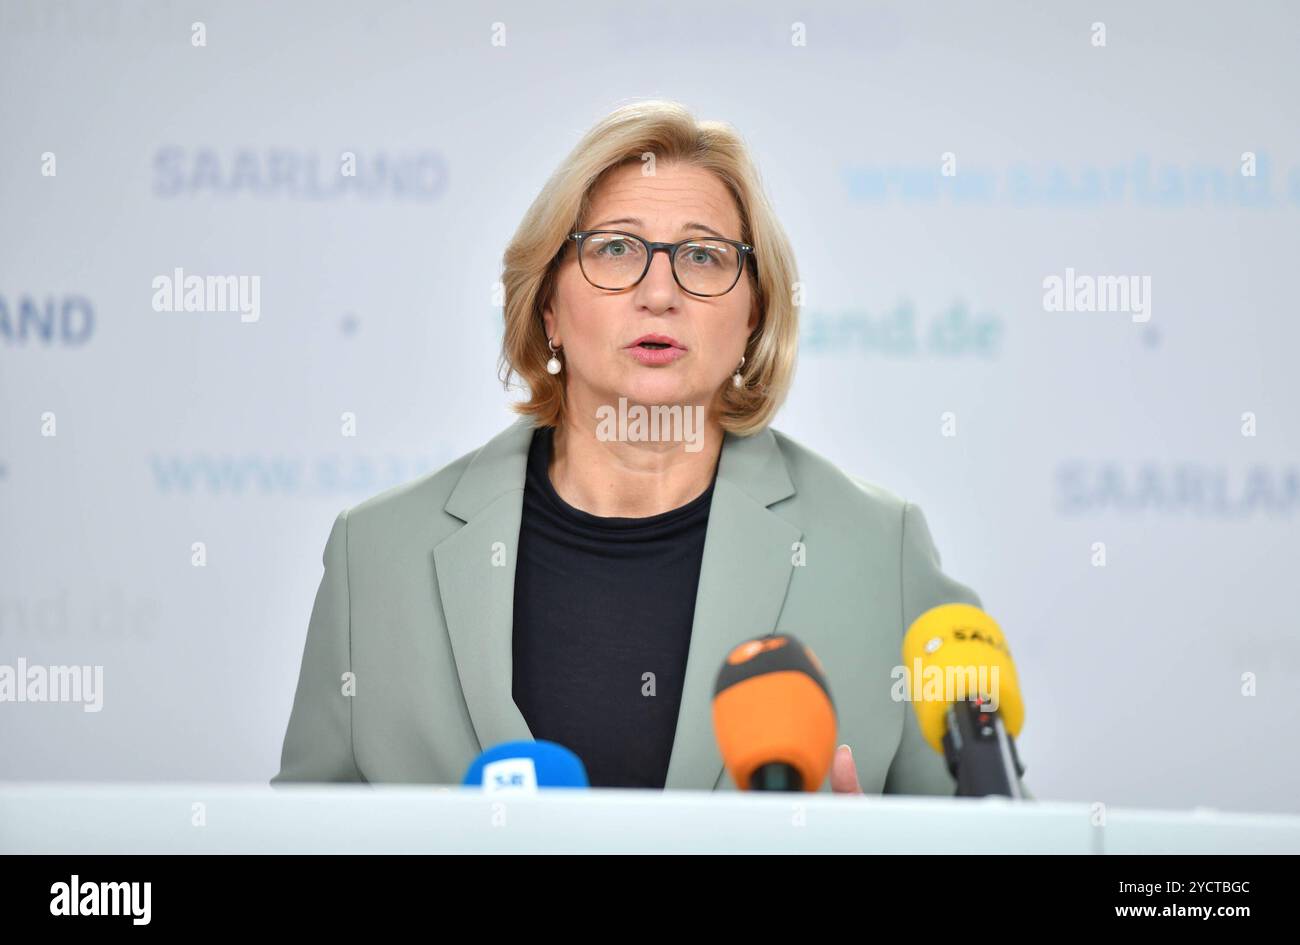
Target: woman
<point>577,581</point>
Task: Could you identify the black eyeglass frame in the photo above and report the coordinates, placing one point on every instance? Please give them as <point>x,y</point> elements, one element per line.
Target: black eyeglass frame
<point>745,250</point>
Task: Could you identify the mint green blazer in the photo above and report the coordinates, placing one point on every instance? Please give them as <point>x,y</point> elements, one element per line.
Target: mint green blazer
<point>417,599</point>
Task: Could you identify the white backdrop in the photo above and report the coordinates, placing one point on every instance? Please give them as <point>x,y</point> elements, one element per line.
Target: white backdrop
<point>924,298</point>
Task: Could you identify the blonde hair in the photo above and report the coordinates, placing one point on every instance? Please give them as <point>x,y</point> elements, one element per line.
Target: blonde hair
<point>669,132</point>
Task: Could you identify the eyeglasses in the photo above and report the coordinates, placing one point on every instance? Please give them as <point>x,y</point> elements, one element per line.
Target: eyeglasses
<point>702,265</point>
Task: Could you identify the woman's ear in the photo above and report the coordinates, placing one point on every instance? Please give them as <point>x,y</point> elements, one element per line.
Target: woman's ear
<point>548,322</point>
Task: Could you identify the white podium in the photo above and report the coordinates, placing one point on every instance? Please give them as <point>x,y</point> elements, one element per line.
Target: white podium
<point>222,818</point>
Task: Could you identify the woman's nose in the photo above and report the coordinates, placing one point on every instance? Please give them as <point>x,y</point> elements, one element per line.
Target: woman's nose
<point>658,283</point>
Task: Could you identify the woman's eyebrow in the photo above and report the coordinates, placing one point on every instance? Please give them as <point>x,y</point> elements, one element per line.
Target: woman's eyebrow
<point>634,221</point>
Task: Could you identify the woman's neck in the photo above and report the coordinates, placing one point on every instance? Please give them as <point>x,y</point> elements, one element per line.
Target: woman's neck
<point>622,478</point>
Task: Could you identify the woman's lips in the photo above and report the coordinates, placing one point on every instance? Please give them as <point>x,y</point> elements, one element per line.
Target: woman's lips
<point>655,355</point>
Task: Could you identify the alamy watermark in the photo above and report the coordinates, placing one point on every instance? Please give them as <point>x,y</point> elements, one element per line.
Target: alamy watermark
<point>23,683</point>
<point>678,423</point>
<point>78,897</point>
<point>947,684</point>
<point>1077,293</point>
<point>181,293</point>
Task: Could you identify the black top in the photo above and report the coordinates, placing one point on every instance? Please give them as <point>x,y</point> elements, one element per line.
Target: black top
<point>599,604</point>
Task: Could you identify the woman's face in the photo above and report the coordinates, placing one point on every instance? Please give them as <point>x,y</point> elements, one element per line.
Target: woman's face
<point>598,329</point>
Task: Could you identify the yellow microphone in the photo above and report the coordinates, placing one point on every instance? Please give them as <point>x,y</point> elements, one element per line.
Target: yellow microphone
<point>963,687</point>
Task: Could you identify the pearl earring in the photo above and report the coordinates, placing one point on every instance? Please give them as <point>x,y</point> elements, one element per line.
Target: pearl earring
<point>553,365</point>
<point>736,379</point>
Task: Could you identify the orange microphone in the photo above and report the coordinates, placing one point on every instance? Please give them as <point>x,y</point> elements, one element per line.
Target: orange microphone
<point>773,716</point>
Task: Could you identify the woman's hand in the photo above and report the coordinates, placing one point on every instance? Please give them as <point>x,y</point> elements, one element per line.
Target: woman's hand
<point>844,773</point>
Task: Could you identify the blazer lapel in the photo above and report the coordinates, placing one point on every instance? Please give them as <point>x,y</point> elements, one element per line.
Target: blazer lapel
<point>748,561</point>
<point>744,574</point>
<point>478,596</point>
